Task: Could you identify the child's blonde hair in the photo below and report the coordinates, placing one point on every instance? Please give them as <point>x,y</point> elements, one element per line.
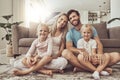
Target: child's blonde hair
<point>42,25</point>
<point>87,26</point>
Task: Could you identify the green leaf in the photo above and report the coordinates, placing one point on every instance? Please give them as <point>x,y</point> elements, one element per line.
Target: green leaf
<point>2,25</point>
<point>9,25</point>
<point>17,23</point>
<point>7,17</point>
<point>7,37</point>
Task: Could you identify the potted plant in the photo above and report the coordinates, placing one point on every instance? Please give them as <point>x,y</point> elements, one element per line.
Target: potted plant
<point>8,36</point>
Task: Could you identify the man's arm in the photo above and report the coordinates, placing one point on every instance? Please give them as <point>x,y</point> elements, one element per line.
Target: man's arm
<point>69,45</point>
<point>100,46</point>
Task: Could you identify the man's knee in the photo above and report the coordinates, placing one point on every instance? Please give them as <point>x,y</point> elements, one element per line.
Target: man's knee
<point>66,53</point>
<point>107,56</point>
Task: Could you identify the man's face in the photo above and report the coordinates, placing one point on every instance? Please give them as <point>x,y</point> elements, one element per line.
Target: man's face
<point>74,19</point>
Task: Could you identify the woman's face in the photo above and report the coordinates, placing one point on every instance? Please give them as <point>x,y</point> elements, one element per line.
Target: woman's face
<point>62,21</point>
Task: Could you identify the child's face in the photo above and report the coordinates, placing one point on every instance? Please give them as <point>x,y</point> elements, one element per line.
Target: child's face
<point>62,21</point>
<point>86,33</point>
<point>43,32</point>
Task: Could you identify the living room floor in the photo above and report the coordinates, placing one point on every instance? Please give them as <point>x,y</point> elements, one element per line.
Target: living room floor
<point>5,74</point>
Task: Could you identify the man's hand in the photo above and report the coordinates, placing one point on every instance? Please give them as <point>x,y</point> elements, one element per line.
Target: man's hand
<point>101,58</point>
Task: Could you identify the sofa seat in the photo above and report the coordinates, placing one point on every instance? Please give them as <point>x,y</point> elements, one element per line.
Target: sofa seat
<point>26,42</point>
<point>111,43</point>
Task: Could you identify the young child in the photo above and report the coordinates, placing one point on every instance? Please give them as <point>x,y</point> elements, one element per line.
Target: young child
<point>88,48</point>
<point>43,46</point>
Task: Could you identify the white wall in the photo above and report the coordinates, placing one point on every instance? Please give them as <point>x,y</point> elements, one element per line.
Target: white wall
<point>5,9</point>
<point>115,12</point>
<point>19,10</point>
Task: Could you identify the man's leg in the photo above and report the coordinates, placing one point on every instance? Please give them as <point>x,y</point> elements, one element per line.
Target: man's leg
<point>114,58</point>
<point>71,58</point>
<point>87,64</point>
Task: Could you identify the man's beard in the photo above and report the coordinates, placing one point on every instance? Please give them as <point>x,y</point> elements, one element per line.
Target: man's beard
<point>78,21</point>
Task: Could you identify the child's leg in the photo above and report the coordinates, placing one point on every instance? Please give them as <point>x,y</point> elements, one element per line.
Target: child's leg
<point>114,58</point>
<point>102,66</point>
<point>35,67</point>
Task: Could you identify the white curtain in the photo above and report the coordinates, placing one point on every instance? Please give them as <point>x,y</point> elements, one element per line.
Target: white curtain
<point>37,11</point>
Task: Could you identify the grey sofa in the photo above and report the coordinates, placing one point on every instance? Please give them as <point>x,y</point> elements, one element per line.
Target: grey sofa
<point>23,37</point>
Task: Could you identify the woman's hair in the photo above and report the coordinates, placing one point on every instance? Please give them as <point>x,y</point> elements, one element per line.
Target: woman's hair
<point>64,30</point>
<point>86,26</point>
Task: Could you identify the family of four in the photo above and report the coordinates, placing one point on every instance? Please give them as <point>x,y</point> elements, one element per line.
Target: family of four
<point>53,50</point>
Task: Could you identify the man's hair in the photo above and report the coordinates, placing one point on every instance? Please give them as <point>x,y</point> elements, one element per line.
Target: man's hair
<point>72,10</point>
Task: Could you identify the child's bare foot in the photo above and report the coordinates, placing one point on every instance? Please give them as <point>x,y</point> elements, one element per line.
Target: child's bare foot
<point>46,72</point>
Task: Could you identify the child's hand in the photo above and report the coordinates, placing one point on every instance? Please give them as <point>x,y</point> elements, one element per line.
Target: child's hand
<point>34,60</point>
<point>29,61</point>
<point>86,56</point>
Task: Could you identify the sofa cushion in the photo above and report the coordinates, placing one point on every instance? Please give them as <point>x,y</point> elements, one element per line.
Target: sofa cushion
<point>33,30</point>
<point>114,32</point>
<point>26,42</point>
<point>102,30</point>
<point>111,43</point>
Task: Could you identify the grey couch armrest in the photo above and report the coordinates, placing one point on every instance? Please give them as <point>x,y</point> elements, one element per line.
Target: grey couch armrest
<point>18,32</point>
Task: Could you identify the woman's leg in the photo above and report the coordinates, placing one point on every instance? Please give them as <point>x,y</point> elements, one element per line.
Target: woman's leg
<point>59,63</point>
<point>50,71</point>
<point>46,71</point>
<point>35,67</point>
